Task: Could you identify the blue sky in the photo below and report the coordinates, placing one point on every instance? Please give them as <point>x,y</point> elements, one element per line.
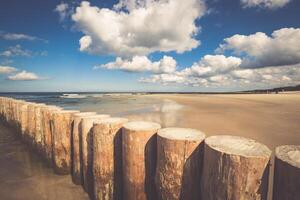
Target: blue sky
<point>122,51</point>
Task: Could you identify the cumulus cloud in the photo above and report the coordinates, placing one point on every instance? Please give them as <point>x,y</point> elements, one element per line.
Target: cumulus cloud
<point>219,70</point>
<point>281,48</point>
<point>63,10</point>
<point>211,65</point>
<point>270,4</point>
<point>139,27</point>
<point>142,64</point>
<point>24,76</point>
<point>7,69</point>
<point>19,36</point>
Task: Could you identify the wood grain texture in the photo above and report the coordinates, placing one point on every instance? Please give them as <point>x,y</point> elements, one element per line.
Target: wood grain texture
<point>139,160</point>
<point>234,168</point>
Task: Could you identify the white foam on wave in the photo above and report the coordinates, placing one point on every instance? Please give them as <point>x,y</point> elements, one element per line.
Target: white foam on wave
<point>73,96</point>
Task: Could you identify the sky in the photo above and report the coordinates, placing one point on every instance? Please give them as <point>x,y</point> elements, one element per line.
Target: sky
<point>148,45</point>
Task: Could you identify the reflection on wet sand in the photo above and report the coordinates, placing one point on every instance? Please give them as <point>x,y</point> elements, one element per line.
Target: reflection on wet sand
<point>23,174</point>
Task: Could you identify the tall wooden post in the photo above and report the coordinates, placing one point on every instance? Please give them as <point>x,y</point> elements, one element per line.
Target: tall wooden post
<point>139,160</point>
<point>287,173</point>
<point>107,159</point>
<point>46,114</point>
<point>86,140</point>
<point>61,141</point>
<point>234,168</point>
<point>76,166</point>
<point>179,163</point>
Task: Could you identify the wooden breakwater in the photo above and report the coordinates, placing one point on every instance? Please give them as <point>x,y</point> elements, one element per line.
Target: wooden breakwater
<point>113,158</point>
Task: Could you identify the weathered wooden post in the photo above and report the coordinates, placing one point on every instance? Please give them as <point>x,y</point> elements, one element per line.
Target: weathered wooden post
<point>139,160</point>
<point>287,173</point>
<point>234,168</point>
<point>30,123</point>
<point>179,163</point>
<point>23,113</point>
<point>46,114</point>
<point>76,167</point>
<point>107,158</point>
<point>38,130</point>
<point>86,142</point>
<point>61,141</point>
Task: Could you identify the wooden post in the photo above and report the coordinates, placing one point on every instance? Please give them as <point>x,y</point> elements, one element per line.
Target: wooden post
<point>61,141</point>
<point>76,167</point>
<point>234,168</point>
<point>139,160</point>
<point>30,123</point>
<point>179,163</point>
<point>107,158</point>
<point>24,124</point>
<point>38,130</point>
<point>287,173</point>
<point>46,114</point>
<point>86,142</point>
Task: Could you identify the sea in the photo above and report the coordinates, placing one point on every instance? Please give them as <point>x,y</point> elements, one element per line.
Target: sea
<point>135,106</point>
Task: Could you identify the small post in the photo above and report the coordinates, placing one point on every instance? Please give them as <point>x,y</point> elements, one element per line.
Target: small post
<point>139,160</point>
<point>235,168</point>
<point>287,173</point>
<point>61,141</point>
<point>76,167</point>
<point>86,141</point>
<point>107,159</point>
<point>179,163</point>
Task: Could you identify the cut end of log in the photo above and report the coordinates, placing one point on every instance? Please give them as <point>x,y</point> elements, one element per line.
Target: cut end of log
<point>181,134</point>
<point>96,116</point>
<point>67,111</point>
<point>238,146</point>
<point>289,154</point>
<point>83,114</point>
<point>112,120</point>
<point>142,126</point>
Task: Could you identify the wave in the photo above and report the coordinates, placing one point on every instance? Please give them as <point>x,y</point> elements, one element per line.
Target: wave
<point>73,96</point>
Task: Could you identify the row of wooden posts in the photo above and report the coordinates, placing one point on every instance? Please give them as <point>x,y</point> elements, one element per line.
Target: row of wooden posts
<point>113,158</point>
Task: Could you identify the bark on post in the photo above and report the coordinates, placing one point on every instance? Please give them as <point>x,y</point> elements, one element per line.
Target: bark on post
<point>234,168</point>
<point>31,123</point>
<point>76,167</point>
<point>86,142</point>
<point>46,114</point>
<point>179,163</point>
<point>62,125</point>
<point>107,158</point>
<point>139,160</point>
<point>287,173</point>
<point>24,120</point>
<point>38,130</point>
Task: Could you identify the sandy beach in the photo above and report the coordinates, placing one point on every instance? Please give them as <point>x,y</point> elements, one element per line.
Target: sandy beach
<point>24,175</point>
<point>272,119</point>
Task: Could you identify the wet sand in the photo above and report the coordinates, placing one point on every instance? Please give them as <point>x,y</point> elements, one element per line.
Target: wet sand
<point>23,174</point>
<point>272,119</point>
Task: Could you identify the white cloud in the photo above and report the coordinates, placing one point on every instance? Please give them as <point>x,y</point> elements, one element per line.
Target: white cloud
<point>18,50</point>
<point>19,36</point>
<point>270,4</point>
<point>211,65</point>
<point>139,27</point>
<point>7,69</point>
<point>282,48</point>
<point>24,76</point>
<point>62,10</point>
<point>141,64</point>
